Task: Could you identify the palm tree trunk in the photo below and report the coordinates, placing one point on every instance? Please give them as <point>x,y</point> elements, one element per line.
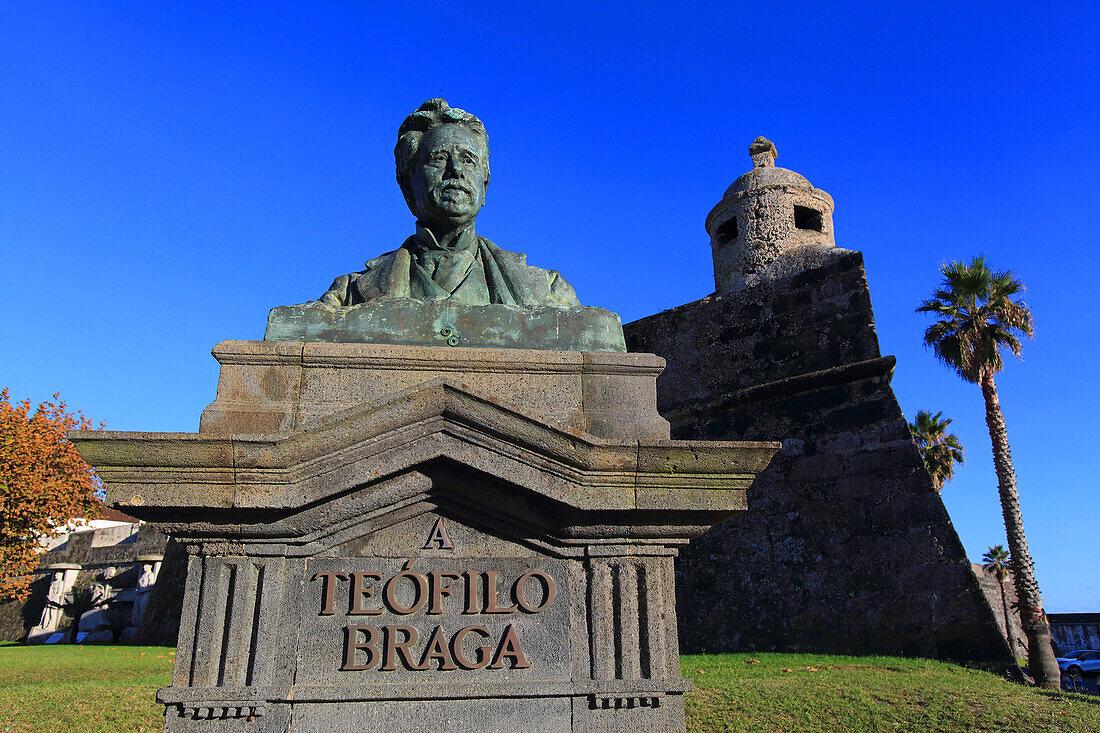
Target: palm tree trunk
<point>1040,653</point>
<point>1008,621</point>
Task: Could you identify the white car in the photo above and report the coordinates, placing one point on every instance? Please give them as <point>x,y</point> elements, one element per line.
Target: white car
<point>1078,664</point>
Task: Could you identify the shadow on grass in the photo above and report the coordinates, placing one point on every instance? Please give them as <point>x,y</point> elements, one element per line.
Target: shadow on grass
<point>1088,697</point>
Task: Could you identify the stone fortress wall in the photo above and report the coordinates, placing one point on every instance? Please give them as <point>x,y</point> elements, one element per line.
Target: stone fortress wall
<point>991,588</point>
<point>1075,631</point>
<point>846,547</point>
<point>1068,631</point>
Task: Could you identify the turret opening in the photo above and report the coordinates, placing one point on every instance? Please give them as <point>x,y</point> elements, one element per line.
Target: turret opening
<point>807,218</point>
<point>728,231</point>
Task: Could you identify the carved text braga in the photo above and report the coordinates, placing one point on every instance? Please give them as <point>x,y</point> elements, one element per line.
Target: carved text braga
<point>432,614</point>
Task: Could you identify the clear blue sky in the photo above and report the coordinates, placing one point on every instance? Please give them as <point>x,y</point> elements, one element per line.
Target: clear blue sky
<point>170,171</point>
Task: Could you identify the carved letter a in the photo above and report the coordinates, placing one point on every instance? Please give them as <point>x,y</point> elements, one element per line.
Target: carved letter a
<point>437,538</point>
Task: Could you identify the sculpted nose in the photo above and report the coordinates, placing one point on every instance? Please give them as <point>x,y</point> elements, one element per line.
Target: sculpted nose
<point>454,168</point>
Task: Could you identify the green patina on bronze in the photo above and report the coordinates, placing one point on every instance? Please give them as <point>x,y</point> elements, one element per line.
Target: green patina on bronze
<point>489,296</point>
<point>449,323</point>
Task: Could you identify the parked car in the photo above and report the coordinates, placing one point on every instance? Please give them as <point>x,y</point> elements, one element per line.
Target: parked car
<point>1085,662</point>
<point>1072,655</point>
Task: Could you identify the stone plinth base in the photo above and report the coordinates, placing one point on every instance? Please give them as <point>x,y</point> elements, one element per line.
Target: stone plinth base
<point>402,550</point>
<point>278,387</point>
<point>595,712</point>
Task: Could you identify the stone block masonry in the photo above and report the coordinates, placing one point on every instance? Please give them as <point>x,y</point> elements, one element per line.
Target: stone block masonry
<point>416,539</point>
<point>846,547</point>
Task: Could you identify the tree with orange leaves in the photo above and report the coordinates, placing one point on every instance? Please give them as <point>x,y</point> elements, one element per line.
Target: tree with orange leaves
<point>44,483</point>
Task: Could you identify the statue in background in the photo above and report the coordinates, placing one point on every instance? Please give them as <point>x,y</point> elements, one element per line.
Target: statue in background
<point>97,619</point>
<point>150,566</point>
<point>442,157</point>
<point>55,599</point>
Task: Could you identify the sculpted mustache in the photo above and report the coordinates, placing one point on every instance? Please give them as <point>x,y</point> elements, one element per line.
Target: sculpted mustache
<point>453,184</point>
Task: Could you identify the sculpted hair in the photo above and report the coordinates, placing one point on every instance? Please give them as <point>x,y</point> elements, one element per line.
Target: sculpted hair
<point>433,113</point>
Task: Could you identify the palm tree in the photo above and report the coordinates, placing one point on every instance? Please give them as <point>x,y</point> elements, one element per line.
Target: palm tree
<point>979,316</point>
<point>940,449</point>
<point>996,561</point>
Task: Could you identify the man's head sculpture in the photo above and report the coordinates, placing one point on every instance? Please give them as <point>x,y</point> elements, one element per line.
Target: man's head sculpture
<point>442,280</point>
<point>442,157</point>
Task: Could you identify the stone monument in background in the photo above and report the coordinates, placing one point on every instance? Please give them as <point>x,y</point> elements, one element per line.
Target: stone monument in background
<point>390,528</point>
<point>847,547</point>
<point>62,577</point>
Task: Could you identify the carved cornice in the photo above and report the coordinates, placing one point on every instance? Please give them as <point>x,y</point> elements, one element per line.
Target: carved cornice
<point>433,430</point>
<point>419,358</point>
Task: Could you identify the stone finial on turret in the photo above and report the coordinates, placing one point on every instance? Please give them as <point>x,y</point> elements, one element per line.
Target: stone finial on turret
<point>771,223</point>
<point>763,152</point>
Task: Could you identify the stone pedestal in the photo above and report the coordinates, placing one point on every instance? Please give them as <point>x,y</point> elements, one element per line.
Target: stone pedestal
<point>413,538</point>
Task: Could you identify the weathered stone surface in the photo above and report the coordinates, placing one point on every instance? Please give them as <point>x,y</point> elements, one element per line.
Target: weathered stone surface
<point>771,223</point>
<point>17,619</point>
<point>1072,631</point>
<point>449,323</point>
<point>271,387</point>
<point>428,558</point>
<point>435,420</point>
<point>93,550</point>
<point>845,547</point>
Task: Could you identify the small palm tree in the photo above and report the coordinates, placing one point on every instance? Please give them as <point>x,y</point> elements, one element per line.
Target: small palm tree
<point>940,449</point>
<point>996,561</point>
<point>978,317</point>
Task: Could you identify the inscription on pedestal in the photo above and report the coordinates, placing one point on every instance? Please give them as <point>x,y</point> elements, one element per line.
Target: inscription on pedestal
<point>379,619</point>
<point>411,596</point>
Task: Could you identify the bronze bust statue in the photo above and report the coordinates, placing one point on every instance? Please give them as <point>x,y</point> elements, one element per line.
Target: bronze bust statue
<point>446,285</point>
<point>442,158</point>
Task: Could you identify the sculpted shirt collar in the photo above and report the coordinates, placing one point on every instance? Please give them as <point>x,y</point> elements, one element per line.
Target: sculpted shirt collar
<point>437,273</point>
<point>425,241</point>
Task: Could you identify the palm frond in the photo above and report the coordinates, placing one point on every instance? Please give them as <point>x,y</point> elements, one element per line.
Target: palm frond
<point>940,450</point>
<point>996,560</point>
<point>978,317</point>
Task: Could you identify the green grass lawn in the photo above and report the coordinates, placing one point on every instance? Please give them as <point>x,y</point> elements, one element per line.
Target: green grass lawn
<point>105,689</point>
<point>769,693</point>
<point>110,688</point>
